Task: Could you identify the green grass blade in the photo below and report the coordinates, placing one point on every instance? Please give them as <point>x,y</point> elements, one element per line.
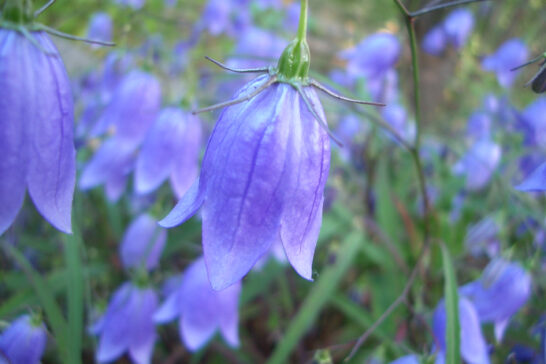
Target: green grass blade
<point>75,287</point>
<point>319,295</point>
<point>453,332</point>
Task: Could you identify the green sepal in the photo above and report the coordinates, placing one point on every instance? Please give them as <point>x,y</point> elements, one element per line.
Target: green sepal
<point>294,62</point>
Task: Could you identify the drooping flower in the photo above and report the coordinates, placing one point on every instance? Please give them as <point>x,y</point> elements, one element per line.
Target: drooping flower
<point>170,150</point>
<point>23,342</point>
<point>473,344</point>
<point>458,25</point>
<point>500,292</point>
<point>202,310</point>
<point>142,243</point>
<point>127,325</point>
<point>479,163</point>
<point>36,130</point>
<point>479,126</point>
<point>510,54</point>
<point>100,27</point>
<point>435,41</point>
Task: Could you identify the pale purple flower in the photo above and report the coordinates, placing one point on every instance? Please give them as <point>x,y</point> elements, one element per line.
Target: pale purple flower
<point>36,130</point>
<point>435,41</point>
<point>265,4</point>
<point>458,25</point>
<point>255,47</point>
<point>23,342</point>
<point>100,27</point>
<point>262,180</point>
<point>510,54</point>
<point>534,119</point>
<point>483,238</point>
<point>501,291</point>
<point>127,325</point>
<point>231,17</point>
<point>142,243</point>
<point>396,115</point>
<point>202,310</point>
<point>535,182</point>
<point>478,164</point>
<point>408,359</point>
<point>473,344</point>
<point>479,126</point>
<point>170,150</point>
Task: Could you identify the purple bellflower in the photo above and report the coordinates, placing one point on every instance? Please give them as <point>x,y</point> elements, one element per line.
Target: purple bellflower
<point>510,54</point>
<point>478,164</point>
<point>23,342</point>
<point>264,171</point>
<point>408,359</point>
<point>170,150</point>
<point>535,182</point>
<point>454,29</point>
<point>473,344</point>
<point>36,129</point>
<point>231,17</point>
<point>100,27</point>
<point>142,243</point>
<point>500,292</point>
<point>127,325</point>
<point>479,126</point>
<point>435,41</point>
<point>202,310</point>
<point>483,238</point>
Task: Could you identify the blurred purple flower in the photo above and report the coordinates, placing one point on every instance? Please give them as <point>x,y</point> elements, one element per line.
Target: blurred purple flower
<point>134,4</point>
<point>36,136</point>
<point>397,117</point>
<point>473,345</point>
<point>478,164</point>
<point>408,359</point>
<point>458,25</point>
<point>133,108</point>
<point>231,17</point>
<point>23,342</point>
<point>535,182</point>
<point>127,325</point>
<point>510,54</point>
<point>479,126</point>
<point>202,310</point>
<point>171,149</point>
<point>500,292</point>
<point>482,238</point>
<point>142,243</point>
<point>292,17</point>
<point>435,41</point>
<point>262,180</point>
<point>256,47</point>
<point>533,118</point>
<point>265,4</point>
<point>100,27</point>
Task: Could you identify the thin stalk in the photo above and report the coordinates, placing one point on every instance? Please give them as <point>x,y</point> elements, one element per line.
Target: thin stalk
<point>302,27</point>
<point>430,9</point>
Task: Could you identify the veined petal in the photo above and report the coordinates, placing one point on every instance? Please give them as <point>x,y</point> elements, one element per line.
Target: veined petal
<point>244,166</point>
<point>52,159</point>
<point>309,162</point>
<point>16,83</point>
<point>186,207</point>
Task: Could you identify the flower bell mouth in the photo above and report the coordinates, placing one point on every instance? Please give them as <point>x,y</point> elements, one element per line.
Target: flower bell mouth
<point>291,72</point>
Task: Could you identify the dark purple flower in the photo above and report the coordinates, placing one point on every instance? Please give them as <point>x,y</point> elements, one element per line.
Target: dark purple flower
<point>473,345</point>
<point>142,243</point>
<point>535,182</point>
<point>170,150</point>
<point>36,130</point>
<point>127,325</point>
<point>458,25</point>
<point>500,292</point>
<point>262,180</point>
<point>510,54</point>
<point>435,41</point>
<point>478,164</point>
<point>132,109</point>
<point>23,342</point>
<point>100,27</point>
<point>202,310</point>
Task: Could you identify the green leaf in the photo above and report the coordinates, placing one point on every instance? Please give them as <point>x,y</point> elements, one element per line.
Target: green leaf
<point>319,295</point>
<point>75,285</point>
<point>453,332</point>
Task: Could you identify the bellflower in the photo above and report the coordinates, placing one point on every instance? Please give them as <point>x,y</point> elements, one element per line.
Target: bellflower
<point>535,182</point>
<point>100,27</point>
<point>458,25</point>
<point>23,342</point>
<point>231,17</point>
<point>170,150</point>
<point>408,359</point>
<point>479,126</point>
<point>142,243</point>
<point>36,129</point>
<point>127,325</point>
<point>254,46</point>
<point>435,41</point>
<point>510,54</point>
<point>202,310</point>
<point>500,292</point>
<point>478,164</point>
<point>473,344</point>
<point>483,238</point>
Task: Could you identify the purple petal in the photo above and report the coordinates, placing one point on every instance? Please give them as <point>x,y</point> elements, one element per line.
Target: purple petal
<point>408,359</point>
<point>142,243</point>
<point>458,25</point>
<point>186,207</point>
<point>434,41</point>
<point>510,54</point>
<point>23,342</point>
<point>115,186</point>
<point>143,328</point>
<point>308,165</point>
<point>374,56</point>
<point>478,164</point>
<point>244,167</point>
<point>16,112</point>
<point>100,27</point>
<point>535,182</point>
<point>169,309</point>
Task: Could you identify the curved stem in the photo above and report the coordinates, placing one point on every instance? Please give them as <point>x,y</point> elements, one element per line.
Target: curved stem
<point>302,27</point>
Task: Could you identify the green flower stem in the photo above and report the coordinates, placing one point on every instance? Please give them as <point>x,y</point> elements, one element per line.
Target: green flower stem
<point>302,27</point>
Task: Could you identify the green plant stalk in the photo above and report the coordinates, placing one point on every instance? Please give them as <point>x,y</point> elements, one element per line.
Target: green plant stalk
<point>302,26</point>
<point>320,294</point>
<point>453,331</point>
